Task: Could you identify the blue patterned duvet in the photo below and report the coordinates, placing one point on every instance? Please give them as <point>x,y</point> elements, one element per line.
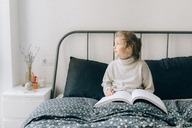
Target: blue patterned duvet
<point>79,112</point>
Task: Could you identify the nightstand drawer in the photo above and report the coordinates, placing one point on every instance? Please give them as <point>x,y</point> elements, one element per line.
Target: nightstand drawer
<point>18,104</point>
<point>19,108</point>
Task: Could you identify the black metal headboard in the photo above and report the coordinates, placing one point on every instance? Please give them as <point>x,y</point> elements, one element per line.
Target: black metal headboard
<point>87,32</point>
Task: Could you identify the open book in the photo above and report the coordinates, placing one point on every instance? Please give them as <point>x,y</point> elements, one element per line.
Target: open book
<point>131,98</point>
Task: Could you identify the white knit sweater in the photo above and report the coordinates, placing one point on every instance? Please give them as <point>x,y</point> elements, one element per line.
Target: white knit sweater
<point>128,75</point>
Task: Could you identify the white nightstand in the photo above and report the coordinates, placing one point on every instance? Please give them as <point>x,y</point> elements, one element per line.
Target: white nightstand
<point>17,105</point>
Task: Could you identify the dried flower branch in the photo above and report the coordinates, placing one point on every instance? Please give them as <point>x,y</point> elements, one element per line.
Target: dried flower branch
<point>29,56</point>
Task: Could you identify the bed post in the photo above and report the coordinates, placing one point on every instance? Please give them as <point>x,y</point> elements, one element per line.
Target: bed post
<point>53,90</point>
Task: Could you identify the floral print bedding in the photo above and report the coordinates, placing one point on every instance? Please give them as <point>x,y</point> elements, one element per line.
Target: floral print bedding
<point>72,112</point>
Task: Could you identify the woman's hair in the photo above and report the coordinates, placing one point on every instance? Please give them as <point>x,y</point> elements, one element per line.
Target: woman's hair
<point>131,40</point>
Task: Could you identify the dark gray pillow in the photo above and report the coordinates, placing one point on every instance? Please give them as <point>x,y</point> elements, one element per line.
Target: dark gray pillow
<point>172,77</point>
<point>84,78</point>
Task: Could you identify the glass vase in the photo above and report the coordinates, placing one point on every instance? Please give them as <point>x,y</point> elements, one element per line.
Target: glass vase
<point>29,74</point>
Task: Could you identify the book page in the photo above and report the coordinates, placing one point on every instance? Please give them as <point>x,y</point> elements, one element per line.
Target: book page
<point>117,96</point>
<point>145,95</point>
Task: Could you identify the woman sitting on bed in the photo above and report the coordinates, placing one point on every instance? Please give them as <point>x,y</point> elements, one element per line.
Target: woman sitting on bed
<point>128,72</point>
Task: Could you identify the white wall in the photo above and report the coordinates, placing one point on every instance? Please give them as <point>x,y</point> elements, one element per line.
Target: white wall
<point>5,51</point>
<point>43,22</point>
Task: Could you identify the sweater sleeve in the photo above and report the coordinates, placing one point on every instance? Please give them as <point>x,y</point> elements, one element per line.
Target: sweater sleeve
<point>107,81</point>
<point>147,78</point>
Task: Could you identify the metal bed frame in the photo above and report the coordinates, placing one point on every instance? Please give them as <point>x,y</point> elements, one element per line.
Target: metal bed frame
<point>87,32</point>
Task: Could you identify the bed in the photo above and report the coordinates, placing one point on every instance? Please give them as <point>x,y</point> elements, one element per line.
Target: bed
<point>173,84</point>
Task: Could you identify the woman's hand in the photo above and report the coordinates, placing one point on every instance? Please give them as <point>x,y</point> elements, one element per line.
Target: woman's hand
<point>109,92</point>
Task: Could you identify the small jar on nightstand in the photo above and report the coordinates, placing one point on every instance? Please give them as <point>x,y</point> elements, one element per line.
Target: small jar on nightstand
<point>18,104</point>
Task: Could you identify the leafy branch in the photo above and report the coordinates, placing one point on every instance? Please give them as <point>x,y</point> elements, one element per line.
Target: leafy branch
<point>29,56</point>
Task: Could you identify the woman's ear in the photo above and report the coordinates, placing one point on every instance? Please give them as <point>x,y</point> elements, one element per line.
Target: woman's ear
<point>131,46</point>
<point>129,50</point>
